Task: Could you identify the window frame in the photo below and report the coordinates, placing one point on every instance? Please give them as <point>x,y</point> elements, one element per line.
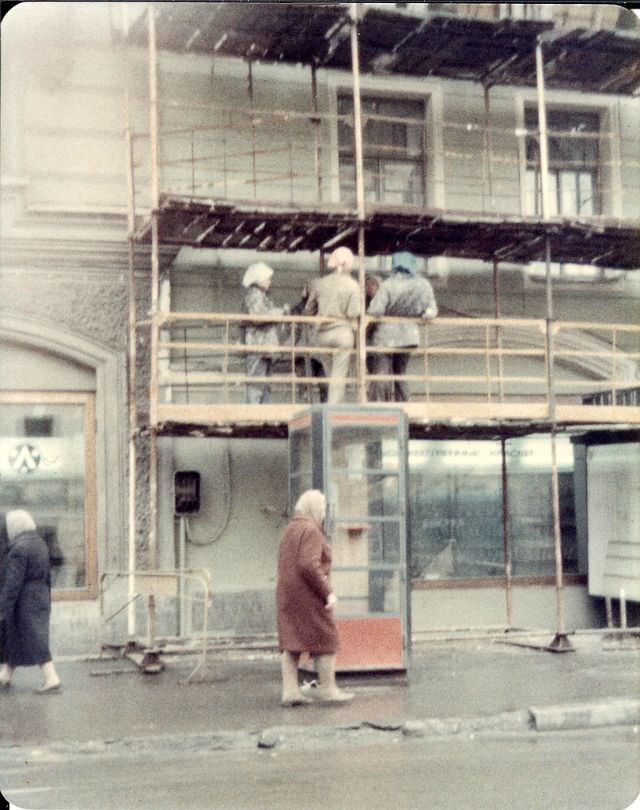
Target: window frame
<point>556,170</point>
<point>529,105</point>
<point>381,152</point>
<point>88,401</point>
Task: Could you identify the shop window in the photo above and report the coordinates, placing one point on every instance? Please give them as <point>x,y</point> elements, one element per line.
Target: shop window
<point>573,146</point>
<point>47,458</point>
<point>456,508</point>
<point>394,150</point>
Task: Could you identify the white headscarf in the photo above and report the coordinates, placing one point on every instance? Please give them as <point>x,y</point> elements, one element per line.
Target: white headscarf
<point>341,260</point>
<point>312,503</point>
<point>19,521</point>
<point>258,273</point>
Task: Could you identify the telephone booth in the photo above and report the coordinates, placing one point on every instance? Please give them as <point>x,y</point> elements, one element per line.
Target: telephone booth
<point>358,458</point>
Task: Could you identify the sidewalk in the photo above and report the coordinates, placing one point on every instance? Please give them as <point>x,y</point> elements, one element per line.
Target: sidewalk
<point>450,687</point>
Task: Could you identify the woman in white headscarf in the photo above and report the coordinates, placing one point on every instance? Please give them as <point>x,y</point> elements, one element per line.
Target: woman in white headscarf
<point>256,301</point>
<point>336,295</point>
<point>305,603</point>
<point>25,602</point>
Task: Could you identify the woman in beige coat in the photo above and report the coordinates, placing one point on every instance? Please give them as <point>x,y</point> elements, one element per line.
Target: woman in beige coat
<point>336,296</point>
<point>305,602</point>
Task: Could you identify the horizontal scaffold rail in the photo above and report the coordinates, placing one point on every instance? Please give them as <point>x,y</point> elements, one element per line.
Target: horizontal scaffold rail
<point>475,370</point>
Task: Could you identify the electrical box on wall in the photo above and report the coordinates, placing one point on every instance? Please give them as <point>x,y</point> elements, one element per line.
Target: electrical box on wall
<point>186,492</point>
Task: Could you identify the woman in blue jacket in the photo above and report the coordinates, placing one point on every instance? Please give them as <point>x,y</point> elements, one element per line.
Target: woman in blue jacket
<point>406,294</point>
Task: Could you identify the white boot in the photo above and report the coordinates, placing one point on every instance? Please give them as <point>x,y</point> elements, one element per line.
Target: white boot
<point>328,691</point>
<point>291,694</point>
<point>51,679</point>
<point>6,673</point>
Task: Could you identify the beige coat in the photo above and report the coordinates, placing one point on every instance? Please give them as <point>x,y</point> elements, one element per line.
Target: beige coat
<point>335,295</point>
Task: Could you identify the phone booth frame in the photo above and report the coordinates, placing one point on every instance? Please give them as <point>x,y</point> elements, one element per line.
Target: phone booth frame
<point>358,457</point>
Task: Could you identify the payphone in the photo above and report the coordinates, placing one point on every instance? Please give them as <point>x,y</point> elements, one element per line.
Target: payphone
<point>186,492</point>
<point>358,458</point>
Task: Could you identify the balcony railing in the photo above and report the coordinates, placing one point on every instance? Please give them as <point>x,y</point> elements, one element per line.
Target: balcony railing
<point>471,369</point>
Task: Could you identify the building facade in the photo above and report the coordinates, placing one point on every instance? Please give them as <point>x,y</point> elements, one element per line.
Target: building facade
<point>147,164</point>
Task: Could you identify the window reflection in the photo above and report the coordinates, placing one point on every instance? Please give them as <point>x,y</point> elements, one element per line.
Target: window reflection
<point>456,508</point>
<point>42,466</point>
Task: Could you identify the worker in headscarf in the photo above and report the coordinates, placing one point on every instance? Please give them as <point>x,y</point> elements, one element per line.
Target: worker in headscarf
<point>337,296</point>
<point>256,301</point>
<point>403,293</point>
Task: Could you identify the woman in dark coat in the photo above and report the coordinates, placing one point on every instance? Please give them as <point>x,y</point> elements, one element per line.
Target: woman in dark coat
<point>305,602</point>
<point>25,602</point>
<point>4,550</point>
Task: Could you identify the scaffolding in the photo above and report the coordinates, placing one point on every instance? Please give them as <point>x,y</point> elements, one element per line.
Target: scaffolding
<point>237,176</point>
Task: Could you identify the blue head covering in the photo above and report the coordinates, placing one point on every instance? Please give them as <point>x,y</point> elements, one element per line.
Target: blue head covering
<point>404,262</point>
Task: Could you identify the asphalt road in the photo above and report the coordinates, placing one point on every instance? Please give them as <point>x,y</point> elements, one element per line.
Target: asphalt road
<point>587,770</point>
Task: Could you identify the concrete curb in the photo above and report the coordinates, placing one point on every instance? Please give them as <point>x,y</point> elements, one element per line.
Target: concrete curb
<point>613,712</point>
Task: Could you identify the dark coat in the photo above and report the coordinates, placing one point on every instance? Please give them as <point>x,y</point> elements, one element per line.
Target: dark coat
<point>304,564</point>
<point>25,602</point>
<point>4,550</point>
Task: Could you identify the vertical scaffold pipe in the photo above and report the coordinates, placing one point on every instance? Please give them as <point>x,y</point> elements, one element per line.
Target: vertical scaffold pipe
<point>155,279</point>
<point>132,354</point>
<point>560,642</point>
<point>359,168</point>
<point>316,131</point>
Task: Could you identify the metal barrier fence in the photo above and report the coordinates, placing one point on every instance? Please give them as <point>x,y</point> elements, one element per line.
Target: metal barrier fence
<point>179,596</point>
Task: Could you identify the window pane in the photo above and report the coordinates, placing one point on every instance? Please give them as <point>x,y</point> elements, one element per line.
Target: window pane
<point>568,192</point>
<point>532,195</point>
<point>384,542</point>
<point>401,182</point>
<point>393,136</point>
<point>42,465</point>
<point>530,502</point>
<point>300,450</point>
<point>553,194</point>
<point>456,508</point>
<point>573,159</point>
<point>586,193</point>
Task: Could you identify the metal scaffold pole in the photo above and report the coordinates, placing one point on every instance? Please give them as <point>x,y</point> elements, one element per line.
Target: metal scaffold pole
<point>506,533</point>
<point>359,167</point>
<point>155,282</point>
<point>560,642</point>
<point>132,357</point>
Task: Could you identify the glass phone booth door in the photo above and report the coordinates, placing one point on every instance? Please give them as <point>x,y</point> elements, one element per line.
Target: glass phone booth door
<point>357,457</point>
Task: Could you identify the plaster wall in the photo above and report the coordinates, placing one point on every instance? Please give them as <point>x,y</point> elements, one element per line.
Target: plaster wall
<point>476,608</point>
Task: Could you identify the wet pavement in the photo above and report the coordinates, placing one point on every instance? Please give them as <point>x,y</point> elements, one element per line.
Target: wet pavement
<point>112,700</point>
